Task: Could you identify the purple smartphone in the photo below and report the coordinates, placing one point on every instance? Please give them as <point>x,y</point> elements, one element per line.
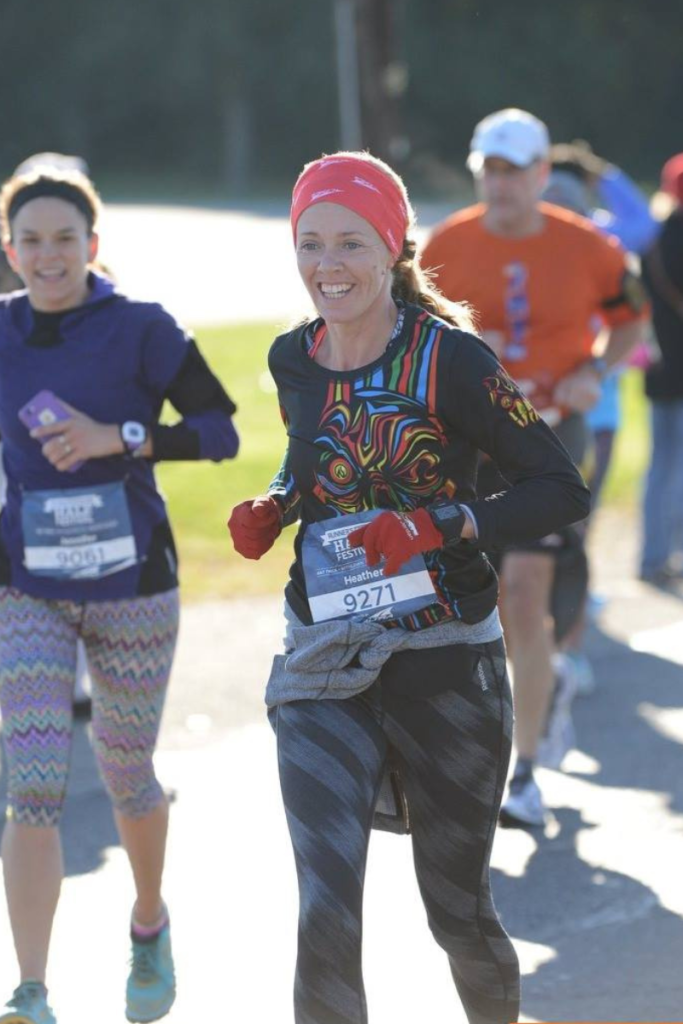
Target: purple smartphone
<point>41,411</point>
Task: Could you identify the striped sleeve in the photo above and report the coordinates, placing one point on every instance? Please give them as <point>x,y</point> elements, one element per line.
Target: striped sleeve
<point>284,490</point>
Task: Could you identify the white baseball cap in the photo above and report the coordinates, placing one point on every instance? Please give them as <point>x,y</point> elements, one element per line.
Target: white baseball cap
<point>510,134</point>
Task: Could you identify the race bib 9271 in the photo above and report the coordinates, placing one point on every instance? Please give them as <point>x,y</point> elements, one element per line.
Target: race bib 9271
<point>340,585</point>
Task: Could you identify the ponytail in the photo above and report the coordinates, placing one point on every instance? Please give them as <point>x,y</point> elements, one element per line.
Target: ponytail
<point>412,284</point>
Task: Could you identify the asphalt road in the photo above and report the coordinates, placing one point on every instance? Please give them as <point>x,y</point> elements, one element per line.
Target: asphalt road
<point>594,904</point>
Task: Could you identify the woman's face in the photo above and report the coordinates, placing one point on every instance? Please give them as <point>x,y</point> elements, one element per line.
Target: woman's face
<point>50,250</point>
<point>343,262</point>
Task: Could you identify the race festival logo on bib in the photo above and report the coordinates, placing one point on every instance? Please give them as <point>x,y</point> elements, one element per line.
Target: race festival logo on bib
<point>73,511</point>
<point>340,584</point>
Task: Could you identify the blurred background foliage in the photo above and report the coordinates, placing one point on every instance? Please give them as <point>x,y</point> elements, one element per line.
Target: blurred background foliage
<point>174,98</point>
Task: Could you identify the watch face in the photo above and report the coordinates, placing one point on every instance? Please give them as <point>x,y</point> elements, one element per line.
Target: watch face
<point>133,434</point>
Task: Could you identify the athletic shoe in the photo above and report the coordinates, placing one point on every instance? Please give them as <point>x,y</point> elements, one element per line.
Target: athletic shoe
<point>150,992</point>
<point>28,1005</point>
<point>524,805</point>
<point>583,673</point>
<point>559,736</point>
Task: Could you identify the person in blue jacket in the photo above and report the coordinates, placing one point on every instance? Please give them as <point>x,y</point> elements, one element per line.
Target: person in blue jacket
<point>583,182</point>
<point>86,551</point>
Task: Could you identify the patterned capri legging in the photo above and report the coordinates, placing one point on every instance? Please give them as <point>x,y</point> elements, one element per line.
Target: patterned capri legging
<point>452,749</point>
<point>130,645</point>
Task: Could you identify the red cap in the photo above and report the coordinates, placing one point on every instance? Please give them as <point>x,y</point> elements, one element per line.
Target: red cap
<point>358,184</point>
<point>672,177</point>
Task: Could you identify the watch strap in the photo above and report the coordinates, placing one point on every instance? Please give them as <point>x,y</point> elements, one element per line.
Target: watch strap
<point>449,519</point>
<point>133,446</point>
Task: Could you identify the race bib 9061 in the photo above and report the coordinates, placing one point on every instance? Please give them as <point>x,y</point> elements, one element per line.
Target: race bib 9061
<point>340,585</point>
<point>80,533</point>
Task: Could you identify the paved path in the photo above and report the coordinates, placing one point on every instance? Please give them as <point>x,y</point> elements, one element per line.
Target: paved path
<point>594,905</point>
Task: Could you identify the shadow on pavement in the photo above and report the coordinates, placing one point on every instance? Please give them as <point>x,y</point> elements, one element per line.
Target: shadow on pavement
<point>615,724</point>
<point>617,949</point>
<point>87,826</point>
<point>612,949</point>
<point>606,928</point>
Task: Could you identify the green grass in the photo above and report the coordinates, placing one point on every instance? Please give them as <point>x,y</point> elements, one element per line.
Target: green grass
<point>632,445</point>
<point>201,495</point>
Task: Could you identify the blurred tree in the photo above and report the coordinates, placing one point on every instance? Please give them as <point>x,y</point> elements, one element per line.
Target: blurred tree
<point>237,96</point>
<point>608,71</point>
<point>384,77</point>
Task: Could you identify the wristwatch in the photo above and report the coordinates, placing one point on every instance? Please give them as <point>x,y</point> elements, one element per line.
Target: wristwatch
<point>133,436</point>
<point>449,518</point>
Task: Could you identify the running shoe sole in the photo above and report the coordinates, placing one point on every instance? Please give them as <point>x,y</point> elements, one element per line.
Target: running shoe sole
<point>160,1011</point>
<point>508,820</point>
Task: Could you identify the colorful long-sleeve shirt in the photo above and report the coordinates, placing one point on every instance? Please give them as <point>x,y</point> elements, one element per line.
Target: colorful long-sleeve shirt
<point>405,431</point>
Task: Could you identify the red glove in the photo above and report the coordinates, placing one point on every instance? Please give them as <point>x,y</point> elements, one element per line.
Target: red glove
<point>397,536</point>
<point>255,525</point>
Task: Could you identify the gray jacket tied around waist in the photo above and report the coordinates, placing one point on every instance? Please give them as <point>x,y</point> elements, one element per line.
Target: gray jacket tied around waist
<point>341,657</point>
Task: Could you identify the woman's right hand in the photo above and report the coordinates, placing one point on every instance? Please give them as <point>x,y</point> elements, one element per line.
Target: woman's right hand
<point>68,443</point>
<point>255,525</point>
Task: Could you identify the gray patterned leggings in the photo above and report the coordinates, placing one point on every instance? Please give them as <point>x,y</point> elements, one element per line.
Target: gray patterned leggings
<point>446,715</point>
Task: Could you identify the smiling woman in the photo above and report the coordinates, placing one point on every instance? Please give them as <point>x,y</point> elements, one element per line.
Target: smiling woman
<point>52,239</point>
<point>346,268</point>
<point>87,552</point>
<point>391,702</point>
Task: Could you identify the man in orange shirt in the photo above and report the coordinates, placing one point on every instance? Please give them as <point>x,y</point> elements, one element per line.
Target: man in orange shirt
<point>537,277</point>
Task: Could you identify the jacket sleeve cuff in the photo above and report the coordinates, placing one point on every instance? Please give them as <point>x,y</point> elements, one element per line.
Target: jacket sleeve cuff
<point>473,519</point>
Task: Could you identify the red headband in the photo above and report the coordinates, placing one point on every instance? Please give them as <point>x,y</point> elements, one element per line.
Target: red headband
<point>359,185</point>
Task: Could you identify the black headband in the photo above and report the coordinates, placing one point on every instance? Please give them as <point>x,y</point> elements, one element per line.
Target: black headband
<point>56,190</point>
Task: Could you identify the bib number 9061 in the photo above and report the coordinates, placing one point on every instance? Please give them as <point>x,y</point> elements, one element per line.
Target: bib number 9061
<point>76,558</point>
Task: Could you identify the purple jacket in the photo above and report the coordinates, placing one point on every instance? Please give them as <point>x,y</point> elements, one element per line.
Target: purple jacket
<point>115,363</point>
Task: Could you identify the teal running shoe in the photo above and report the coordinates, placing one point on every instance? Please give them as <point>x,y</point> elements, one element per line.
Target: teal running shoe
<point>150,992</point>
<point>28,1005</point>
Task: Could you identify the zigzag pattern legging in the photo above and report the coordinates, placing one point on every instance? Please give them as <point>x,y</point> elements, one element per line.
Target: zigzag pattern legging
<point>130,645</point>
<point>452,749</point>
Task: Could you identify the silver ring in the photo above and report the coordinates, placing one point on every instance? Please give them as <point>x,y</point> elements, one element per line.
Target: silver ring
<point>67,448</point>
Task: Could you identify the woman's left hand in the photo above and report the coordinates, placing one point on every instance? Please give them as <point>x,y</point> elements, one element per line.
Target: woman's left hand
<point>77,439</point>
<point>397,536</point>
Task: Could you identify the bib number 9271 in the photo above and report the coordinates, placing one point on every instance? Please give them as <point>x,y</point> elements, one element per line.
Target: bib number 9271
<point>341,585</point>
<point>372,597</point>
